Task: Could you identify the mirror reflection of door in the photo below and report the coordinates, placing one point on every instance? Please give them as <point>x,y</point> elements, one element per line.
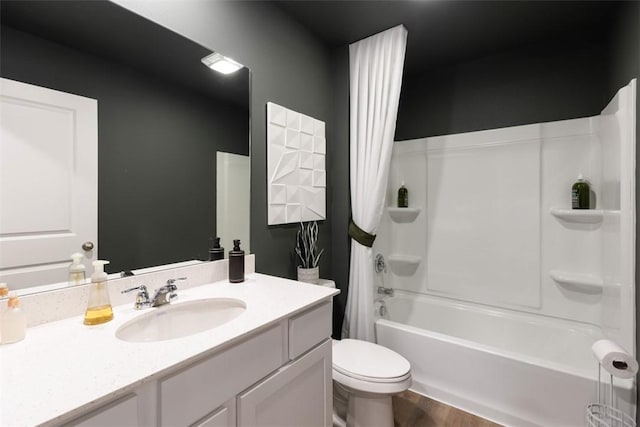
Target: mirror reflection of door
<point>233,188</point>
<point>48,181</point>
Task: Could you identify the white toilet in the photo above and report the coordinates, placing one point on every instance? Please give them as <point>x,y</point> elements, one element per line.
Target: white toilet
<point>365,376</point>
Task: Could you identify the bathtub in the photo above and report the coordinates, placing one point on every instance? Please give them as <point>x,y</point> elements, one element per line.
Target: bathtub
<point>512,368</point>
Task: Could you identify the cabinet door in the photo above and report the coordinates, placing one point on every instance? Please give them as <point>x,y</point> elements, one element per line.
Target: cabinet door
<point>225,416</point>
<point>298,395</point>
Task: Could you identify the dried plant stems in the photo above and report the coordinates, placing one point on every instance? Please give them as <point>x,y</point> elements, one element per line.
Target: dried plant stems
<point>306,245</point>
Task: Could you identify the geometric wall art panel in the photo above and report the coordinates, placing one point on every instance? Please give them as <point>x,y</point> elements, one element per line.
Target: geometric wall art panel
<point>296,171</point>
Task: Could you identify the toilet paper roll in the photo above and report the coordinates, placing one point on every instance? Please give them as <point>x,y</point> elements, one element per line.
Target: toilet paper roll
<point>614,359</point>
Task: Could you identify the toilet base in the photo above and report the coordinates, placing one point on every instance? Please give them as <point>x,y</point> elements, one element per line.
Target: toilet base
<point>369,410</point>
<point>361,409</point>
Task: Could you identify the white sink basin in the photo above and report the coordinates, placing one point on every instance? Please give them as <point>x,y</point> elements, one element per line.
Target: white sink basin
<point>180,320</point>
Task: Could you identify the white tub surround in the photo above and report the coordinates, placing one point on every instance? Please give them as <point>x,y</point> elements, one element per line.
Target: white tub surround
<point>491,228</point>
<point>64,369</point>
<point>493,212</point>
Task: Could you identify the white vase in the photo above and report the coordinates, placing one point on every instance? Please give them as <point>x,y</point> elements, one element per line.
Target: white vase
<point>309,275</point>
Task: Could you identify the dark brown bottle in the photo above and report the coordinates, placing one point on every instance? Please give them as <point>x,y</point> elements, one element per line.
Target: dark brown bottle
<point>216,252</point>
<point>236,263</point>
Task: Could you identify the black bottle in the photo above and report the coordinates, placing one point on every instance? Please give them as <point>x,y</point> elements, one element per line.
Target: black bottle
<point>216,252</point>
<point>403,196</point>
<point>580,194</point>
<point>236,263</point>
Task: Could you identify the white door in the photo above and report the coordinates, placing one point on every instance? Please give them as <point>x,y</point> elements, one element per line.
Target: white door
<point>48,182</point>
<point>233,198</point>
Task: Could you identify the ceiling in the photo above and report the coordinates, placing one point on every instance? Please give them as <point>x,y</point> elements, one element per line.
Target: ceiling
<point>448,31</point>
<point>109,31</point>
<point>440,31</point>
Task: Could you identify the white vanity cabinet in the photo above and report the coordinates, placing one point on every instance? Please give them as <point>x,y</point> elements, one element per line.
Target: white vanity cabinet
<point>222,417</point>
<point>298,395</point>
<point>197,392</point>
<point>278,376</point>
<point>121,412</point>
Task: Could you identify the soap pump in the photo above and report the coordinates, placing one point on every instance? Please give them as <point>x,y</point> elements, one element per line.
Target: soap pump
<point>76,270</point>
<point>236,263</point>
<point>14,322</point>
<point>216,251</point>
<point>4,292</point>
<point>99,307</point>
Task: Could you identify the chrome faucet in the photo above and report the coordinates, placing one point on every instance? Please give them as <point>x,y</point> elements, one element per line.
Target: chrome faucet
<point>142,297</point>
<point>163,295</point>
<point>166,294</point>
<point>379,264</point>
<point>385,291</point>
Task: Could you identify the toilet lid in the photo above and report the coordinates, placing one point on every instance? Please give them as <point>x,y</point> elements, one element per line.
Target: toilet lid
<point>369,361</point>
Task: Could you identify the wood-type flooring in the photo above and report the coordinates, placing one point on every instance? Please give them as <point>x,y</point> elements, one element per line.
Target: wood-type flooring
<point>414,410</point>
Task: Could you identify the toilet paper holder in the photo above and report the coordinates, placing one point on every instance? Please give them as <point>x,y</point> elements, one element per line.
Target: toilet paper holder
<point>603,413</point>
<point>619,364</point>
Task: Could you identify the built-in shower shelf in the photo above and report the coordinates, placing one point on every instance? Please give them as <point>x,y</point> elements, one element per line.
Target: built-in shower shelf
<point>403,214</point>
<point>587,282</point>
<point>404,265</point>
<point>585,216</point>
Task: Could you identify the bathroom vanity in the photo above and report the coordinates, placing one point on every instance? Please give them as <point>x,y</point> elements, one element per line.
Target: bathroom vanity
<point>270,365</point>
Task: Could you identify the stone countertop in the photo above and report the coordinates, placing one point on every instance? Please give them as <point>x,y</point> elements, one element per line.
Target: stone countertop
<point>64,368</point>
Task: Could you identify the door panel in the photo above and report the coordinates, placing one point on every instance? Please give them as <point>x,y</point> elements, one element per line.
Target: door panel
<point>48,181</point>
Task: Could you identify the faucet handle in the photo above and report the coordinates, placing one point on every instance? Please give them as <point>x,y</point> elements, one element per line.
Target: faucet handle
<point>142,288</point>
<point>171,283</point>
<point>142,298</point>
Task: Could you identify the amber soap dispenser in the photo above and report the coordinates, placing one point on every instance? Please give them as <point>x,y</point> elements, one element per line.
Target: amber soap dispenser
<point>99,307</point>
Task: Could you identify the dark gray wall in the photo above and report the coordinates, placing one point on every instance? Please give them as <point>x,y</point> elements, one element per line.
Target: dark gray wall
<point>341,210</point>
<point>288,67</point>
<point>533,84</point>
<point>156,151</point>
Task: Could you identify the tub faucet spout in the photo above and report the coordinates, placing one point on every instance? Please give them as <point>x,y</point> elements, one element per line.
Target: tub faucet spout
<point>385,291</point>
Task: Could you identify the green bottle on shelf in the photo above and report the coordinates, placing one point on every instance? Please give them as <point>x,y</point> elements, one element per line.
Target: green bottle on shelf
<point>403,196</point>
<point>580,194</point>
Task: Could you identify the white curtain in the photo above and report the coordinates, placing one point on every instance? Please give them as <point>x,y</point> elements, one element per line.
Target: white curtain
<point>375,70</point>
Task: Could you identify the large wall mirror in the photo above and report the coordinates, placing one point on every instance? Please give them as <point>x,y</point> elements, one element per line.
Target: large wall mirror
<point>169,129</point>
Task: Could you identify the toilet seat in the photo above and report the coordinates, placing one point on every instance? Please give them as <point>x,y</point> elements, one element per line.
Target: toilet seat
<point>369,367</point>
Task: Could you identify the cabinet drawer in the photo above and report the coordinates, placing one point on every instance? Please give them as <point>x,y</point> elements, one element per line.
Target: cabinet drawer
<point>122,412</point>
<point>309,328</point>
<point>191,394</point>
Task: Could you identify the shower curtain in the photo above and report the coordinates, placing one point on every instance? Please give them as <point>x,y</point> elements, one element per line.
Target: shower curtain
<point>375,70</point>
